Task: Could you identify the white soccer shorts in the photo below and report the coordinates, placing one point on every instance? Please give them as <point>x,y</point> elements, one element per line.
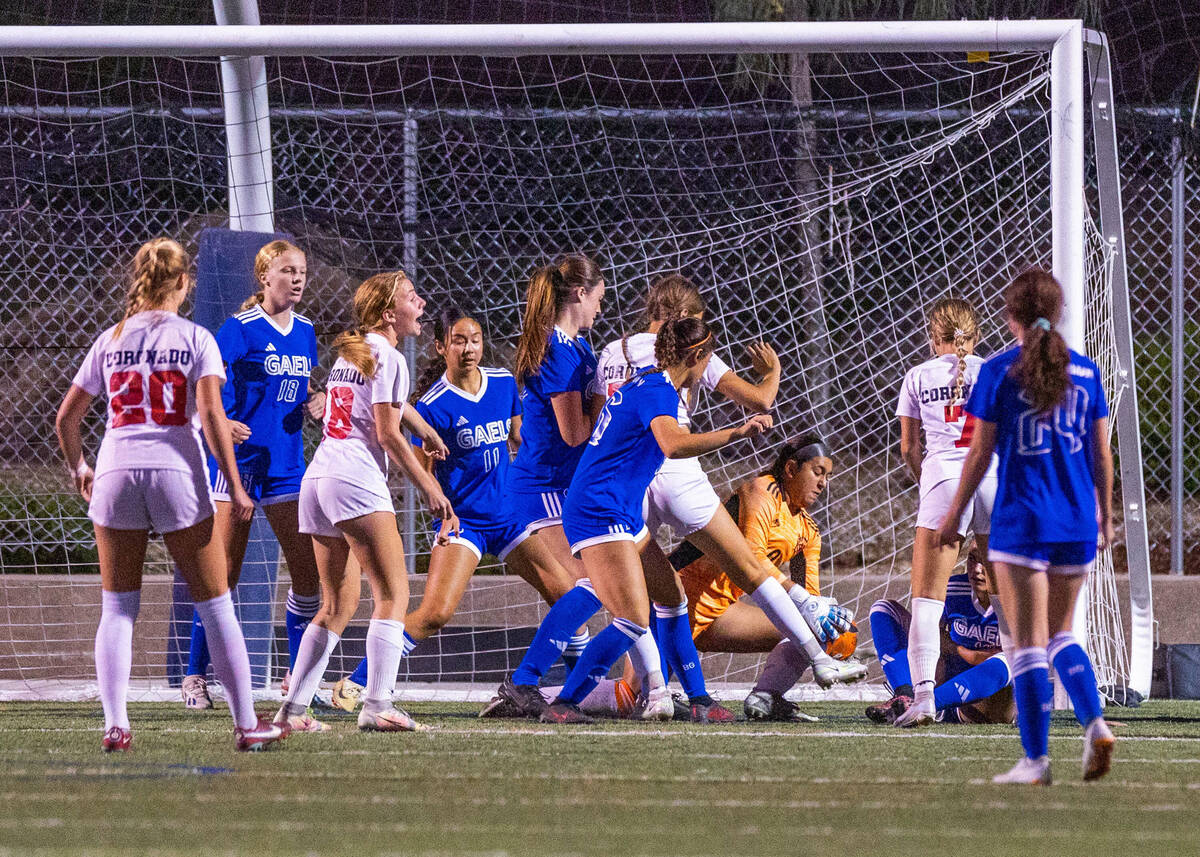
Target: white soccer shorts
<point>325,501</point>
<point>977,517</point>
<point>681,497</point>
<point>150,499</point>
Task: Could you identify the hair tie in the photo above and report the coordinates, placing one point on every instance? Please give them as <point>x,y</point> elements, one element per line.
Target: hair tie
<point>703,341</point>
<point>1042,323</point>
<point>959,333</point>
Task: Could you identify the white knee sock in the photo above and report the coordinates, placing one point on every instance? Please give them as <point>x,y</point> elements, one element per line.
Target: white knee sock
<point>114,654</point>
<point>312,657</point>
<point>231,663</point>
<point>924,645</point>
<point>783,669</point>
<point>647,662</point>
<point>784,615</point>
<point>385,647</point>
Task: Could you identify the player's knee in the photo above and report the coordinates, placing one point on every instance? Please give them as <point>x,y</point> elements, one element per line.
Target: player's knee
<point>889,607</point>
<point>428,622</point>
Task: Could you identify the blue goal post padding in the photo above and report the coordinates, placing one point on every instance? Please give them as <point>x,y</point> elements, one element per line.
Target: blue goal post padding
<point>225,278</point>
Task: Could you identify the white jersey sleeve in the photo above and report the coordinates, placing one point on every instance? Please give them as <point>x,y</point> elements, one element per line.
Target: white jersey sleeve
<point>714,372</point>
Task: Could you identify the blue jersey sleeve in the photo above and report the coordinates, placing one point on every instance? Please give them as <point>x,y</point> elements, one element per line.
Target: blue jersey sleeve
<point>982,402</point>
<point>664,402</point>
<point>562,369</point>
<point>231,342</point>
<point>1099,401</point>
<point>427,415</point>
<point>514,408</point>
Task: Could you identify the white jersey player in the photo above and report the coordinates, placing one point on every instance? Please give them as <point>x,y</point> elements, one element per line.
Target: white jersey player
<point>162,375</point>
<point>933,402</point>
<point>345,503</point>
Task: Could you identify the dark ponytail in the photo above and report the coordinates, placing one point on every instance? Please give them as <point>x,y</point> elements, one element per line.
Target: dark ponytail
<point>443,322</point>
<point>550,288</point>
<point>679,337</point>
<point>1035,302</point>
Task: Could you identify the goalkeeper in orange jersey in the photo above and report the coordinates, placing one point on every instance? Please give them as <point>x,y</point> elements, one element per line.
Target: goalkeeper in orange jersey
<point>771,510</point>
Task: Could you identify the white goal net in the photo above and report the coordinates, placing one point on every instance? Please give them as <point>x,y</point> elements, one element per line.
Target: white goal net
<point>821,201</point>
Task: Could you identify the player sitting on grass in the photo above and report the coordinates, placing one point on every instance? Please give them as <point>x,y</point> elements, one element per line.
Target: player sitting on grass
<point>976,686</point>
<point>771,511</point>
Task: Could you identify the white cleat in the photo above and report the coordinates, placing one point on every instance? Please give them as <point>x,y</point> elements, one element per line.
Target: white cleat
<point>389,719</point>
<point>922,713</point>
<point>833,672</point>
<point>195,693</point>
<point>658,705</point>
<point>1098,744</point>
<point>1033,772</point>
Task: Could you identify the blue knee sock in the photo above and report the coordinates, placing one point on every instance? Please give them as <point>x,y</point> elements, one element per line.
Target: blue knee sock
<point>198,651</point>
<point>679,649</point>
<point>891,645</point>
<point>598,658</point>
<point>663,666</point>
<point>554,634</point>
<point>575,647</point>
<point>1074,669</point>
<point>1031,690</point>
<point>979,682</point>
<point>359,676</point>
<point>297,614</point>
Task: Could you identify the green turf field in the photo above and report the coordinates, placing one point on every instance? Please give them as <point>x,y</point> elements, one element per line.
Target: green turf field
<point>472,787</point>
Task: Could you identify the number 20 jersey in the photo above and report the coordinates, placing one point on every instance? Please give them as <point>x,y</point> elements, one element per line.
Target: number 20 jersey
<point>150,376</point>
<point>1046,490</point>
<point>475,428</point>
<point>267,387</point>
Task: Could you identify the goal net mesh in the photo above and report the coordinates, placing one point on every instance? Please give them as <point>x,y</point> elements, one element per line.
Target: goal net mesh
<point>822,203</point>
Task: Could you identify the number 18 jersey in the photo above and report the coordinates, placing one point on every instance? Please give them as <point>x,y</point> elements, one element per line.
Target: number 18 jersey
<point>150,376</point>
<point>269,367</point>
<point>475,428</point>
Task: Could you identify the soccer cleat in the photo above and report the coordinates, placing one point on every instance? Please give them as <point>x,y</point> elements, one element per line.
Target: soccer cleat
<point>627,700</point>
<point>683,708</point>
<point>1034,772</point>
<point>564,712</point>
<point>887,712</point>
<point>346,694</point>
<point>655,705</point>
<point>390,719</point>
<point>838,672</point>
<point>525,697</point>
<point>765,705</point>
<point>1098,744</point>
<point>117,740</point>
<point>501,706</point>
<point>710,712</point>
<point>260,736</point>
<point>195,693</point>
<point>301,722</point>
<point>918,713</point>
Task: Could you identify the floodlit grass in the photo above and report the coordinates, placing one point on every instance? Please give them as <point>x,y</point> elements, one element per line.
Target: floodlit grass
<point>474,787</point>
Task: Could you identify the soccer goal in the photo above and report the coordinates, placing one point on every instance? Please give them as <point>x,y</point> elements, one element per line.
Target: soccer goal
<point>822,182</point>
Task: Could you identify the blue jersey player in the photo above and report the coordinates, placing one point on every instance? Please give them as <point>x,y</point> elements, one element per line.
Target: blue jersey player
<point>269,353</point>
<point>555,366</point>
<point>1040,406</point>
<point>972,671</point>
<point>477,413</point>
<point>602,515</point>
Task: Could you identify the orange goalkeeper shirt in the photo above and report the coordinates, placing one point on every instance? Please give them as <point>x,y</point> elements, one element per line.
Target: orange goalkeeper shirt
<point>775,535</point>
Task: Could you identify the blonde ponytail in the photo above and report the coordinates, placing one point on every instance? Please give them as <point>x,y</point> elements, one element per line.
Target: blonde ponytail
<point>954,321</point>
<point>376,295</point>
<point>157,267</point>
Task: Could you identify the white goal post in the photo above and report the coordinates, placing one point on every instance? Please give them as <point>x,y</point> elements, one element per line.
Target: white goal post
<point>249,145</point>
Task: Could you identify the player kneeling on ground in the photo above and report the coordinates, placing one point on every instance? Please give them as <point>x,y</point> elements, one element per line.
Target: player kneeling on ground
<point>771,510</point>
<point>974,682</point>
